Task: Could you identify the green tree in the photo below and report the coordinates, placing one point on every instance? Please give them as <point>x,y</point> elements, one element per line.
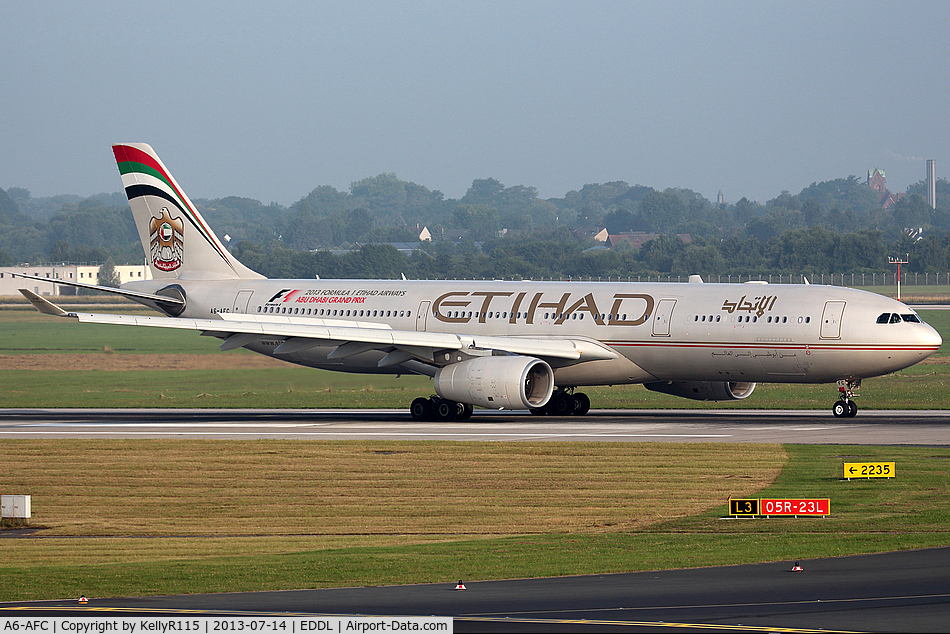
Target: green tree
<point>661,211</point>
<point>484,191</point>
<point>479,221</point>
<point>385,195</point>
<point>912,212</point>
<point>108,275</point>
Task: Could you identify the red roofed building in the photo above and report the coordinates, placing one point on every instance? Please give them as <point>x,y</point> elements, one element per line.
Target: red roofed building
<point>878,182</point>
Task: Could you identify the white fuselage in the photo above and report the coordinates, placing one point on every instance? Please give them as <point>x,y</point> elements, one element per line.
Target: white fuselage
<point>661,332</point>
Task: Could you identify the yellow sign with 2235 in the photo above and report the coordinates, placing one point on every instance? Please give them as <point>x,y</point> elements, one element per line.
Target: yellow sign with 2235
<point>869,470</point>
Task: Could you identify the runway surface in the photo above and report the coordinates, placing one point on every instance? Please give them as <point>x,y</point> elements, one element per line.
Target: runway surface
<point>911,427</point>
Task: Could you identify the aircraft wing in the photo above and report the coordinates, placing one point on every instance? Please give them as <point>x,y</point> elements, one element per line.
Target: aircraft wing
<point>349,337</point>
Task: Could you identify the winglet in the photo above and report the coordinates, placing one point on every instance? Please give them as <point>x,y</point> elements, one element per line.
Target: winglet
<point>43,305</point>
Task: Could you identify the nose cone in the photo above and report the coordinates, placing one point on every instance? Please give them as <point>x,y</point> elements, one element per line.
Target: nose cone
<point>930,338</point>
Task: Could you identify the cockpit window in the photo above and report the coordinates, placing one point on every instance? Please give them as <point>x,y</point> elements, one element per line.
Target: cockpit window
<point>894,318</point>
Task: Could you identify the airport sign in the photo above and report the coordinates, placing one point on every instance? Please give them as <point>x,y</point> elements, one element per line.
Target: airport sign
<point>817,507</point>
<point>742,507</point>
<point>869,470</point>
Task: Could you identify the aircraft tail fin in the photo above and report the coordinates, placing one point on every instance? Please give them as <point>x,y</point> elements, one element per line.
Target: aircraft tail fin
<point>178,242</point>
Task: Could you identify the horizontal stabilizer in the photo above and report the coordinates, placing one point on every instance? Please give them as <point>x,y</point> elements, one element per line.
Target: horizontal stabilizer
<point>133,295</point>
<point>43,305</point>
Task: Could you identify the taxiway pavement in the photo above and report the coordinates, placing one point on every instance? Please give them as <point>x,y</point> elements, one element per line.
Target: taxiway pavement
<point>883,427</point>
<point>905,591</point>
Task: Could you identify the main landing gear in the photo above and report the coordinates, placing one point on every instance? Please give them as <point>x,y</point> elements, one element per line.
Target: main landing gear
<point>565,402</point>
<point>846,407</point>
<point>436,408</point>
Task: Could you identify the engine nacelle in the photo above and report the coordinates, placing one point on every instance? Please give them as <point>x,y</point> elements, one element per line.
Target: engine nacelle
<point>704,390</point>
<point>508,382</point>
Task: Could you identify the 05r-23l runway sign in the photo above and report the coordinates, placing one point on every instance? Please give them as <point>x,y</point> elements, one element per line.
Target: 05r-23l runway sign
<point>769,507</point>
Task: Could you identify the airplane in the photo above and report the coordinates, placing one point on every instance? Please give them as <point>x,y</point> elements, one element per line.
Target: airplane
<point>515,345</point>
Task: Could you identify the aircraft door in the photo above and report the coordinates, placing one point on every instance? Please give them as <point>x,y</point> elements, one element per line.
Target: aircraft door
<point>241,301</point>
<point>662,317</point>
<point>831,319</point>
<point>421,316</point>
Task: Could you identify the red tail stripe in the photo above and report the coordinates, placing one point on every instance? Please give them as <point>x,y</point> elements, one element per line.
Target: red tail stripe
<point>125,153</point>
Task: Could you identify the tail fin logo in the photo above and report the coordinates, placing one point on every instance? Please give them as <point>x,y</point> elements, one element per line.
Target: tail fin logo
<point>166,241</point>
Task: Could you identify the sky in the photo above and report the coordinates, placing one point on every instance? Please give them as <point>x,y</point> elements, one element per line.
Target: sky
<point>270,100</point>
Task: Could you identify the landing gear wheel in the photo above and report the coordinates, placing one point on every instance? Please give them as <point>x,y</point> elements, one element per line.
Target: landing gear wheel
<point>842,408</point>
<point>420,409</point>
<point>464,411</point>
<point>561,404</point>
<point>581,404</point>
<point>445,410</point>
<point>847,391</point>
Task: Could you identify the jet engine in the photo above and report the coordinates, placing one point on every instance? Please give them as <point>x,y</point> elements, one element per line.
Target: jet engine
<point>503,382</point>
<point>704,390</point>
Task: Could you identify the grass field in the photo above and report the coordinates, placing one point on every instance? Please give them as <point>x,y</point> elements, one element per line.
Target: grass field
<point>157,517</point>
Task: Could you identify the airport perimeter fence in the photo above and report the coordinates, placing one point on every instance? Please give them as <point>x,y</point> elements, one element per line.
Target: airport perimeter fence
<point>832,279</point>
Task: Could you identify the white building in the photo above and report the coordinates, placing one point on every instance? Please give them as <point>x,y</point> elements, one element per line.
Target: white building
<point>10,284</point>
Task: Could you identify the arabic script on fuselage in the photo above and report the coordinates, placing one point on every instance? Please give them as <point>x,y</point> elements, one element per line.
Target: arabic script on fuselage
<point>758,304</point>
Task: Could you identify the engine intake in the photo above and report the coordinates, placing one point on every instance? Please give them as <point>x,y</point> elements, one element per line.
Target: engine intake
<point>508,382</point>
<point>704,390</point>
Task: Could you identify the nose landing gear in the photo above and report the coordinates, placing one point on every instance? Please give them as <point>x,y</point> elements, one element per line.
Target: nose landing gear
<point>845,407</point>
